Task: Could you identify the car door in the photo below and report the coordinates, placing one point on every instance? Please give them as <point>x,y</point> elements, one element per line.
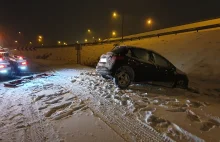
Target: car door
<point>144,69</point>
<point>165,70</point>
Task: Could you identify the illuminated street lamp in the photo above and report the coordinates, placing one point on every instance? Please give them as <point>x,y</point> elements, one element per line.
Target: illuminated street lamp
<point>113,33</point>
<point>30,42</point>
<point>65,43</point>
<point>89,31</point>
<point>40,37</point>
<point>39,40</point>
<point>59,42</point>
<point>149,21</point>
<point>114,15</point>
<point>86,40</point>
<point>16,41</point>
<point>99,39</point>
<point>19,32</point>
<point>77,41</point>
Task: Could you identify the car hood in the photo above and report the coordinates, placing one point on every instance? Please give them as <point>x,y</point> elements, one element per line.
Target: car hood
<point>180,72</point>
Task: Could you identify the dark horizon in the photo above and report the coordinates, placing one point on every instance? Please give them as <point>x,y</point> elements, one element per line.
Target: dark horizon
<point>68,21</point>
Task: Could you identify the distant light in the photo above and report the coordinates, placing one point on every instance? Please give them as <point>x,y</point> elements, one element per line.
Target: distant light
<point>3,71</point>
<point>65,43</point>
<point>59,42</point>
<point>42,44</point>
<point>16,41</point>
<point>77,41</point>
<point>2,66</point>
<point>99,39</point>
<point>24,63</point>
<point>23,67</point>
<point>40,37</point>
<point>149,21</point>
<point>30,42</point>
<point>114,14</point>
<point>40,40</point>
<point>86,40</point>
<point>19,32</point>
<point>113,33</point>
<point>89,31</point>
<point>93,37</point>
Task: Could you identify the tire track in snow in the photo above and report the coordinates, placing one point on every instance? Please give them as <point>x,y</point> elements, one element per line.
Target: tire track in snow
<point>127,127</point>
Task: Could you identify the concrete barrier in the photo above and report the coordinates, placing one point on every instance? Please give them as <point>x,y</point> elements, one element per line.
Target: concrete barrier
<point>64,53</point>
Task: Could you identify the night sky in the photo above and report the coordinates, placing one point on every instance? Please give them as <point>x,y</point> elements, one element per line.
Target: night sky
<point>68,20</point>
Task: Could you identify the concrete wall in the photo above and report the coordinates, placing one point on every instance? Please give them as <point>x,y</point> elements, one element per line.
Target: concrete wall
<point>68,54</point>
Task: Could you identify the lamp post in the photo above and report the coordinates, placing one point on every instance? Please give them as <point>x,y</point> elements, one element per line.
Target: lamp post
<point>122,24</point>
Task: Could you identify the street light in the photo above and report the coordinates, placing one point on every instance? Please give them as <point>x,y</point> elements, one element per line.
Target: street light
<point>86,40</point>
<point>59,42</point>
<point>113,33</point>
<point>65,43</point>
<point>149,21</point>
<point>122,24</point>
<point>89,31</point>
<point>19,32</point>
<point>16,41</point>
<point>40,40</point>
<point>99,39</point>
<point>40,37</point>
<point>77,41</point>
<point>114,14</point>
<point>30,42</point>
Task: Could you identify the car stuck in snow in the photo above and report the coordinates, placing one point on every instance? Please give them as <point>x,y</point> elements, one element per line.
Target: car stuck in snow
<point>127,64</point>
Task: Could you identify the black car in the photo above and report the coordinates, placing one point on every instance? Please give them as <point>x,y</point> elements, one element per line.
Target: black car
<point>126,64</point>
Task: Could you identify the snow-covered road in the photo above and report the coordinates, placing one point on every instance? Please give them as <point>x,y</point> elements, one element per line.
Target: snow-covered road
<point>78,105</point>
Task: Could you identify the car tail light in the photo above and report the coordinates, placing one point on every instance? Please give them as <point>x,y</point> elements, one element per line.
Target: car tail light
<point>118,57</point>
<point>24,63</point>
<point>2,66</point>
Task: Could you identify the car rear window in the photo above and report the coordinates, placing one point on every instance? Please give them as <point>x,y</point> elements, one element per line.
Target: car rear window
<point>120,50</point>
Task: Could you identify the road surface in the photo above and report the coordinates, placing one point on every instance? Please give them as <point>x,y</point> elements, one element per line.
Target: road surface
<point>76,104</point>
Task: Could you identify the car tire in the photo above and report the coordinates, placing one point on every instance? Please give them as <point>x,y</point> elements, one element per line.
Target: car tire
<point>122,78</point>
<point>181,83</point>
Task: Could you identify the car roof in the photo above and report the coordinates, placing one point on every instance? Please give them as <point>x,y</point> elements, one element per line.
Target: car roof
<point>135,47</point>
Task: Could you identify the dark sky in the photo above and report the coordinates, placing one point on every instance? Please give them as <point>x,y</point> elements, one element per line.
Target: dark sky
<point>68,20</point>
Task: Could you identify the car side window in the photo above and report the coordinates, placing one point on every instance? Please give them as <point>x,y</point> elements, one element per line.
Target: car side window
<point>160,61</point>
<point>141,55</point>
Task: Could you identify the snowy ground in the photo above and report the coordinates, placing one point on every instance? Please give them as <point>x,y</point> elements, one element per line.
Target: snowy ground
<point>75,104</point>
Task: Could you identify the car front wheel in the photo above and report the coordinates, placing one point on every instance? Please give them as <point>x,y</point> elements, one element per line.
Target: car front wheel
<point>182,84</point>
<point>122,78</point>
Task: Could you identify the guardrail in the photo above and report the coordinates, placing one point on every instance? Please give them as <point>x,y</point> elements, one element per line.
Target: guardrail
<point>208,24</point>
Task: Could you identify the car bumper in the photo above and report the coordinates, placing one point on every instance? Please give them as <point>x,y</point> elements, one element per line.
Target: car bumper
<point>103,71</point>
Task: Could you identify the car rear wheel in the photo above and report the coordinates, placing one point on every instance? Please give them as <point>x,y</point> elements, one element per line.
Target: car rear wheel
<point>122,78</point>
